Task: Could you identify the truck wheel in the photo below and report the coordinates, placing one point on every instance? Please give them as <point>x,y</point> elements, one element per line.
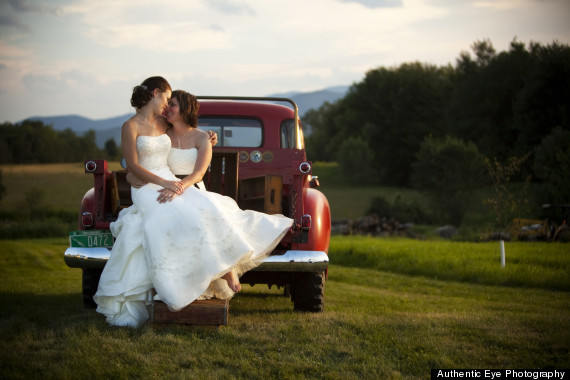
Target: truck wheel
<point>307,291</point>
<point>90,282</point>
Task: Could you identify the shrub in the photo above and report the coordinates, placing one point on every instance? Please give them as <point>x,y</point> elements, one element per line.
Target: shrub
<point>404,211</point>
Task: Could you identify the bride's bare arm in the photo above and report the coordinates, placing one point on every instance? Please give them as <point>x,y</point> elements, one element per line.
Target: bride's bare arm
<point>134,181</point>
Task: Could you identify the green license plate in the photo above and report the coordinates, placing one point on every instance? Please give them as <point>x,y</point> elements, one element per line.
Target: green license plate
<point>91,239</point>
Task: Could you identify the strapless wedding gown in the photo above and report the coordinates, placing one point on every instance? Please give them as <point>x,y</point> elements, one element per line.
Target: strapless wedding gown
<point>180,248</point>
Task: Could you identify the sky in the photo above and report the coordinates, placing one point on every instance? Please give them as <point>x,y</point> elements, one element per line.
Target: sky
<point>83,57</point>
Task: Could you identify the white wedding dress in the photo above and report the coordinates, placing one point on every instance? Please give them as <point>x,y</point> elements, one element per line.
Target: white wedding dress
<point>180,248</point>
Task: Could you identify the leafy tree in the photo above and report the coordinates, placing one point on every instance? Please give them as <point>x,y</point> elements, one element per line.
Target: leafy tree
<point>2,187</point>
<point>447,169</point>
<point>506,203</point>
<point>481,105</point>
<point>112,149</point>
<point>543,103</point>
<point>506,102</point>
<point>34,142</point>
<point>392,110</point>
<point>552,166</point>
<point>355,159</point>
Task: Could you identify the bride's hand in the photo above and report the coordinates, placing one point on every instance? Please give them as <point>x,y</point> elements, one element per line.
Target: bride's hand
<point>174,186</point>
<point>165,195</point>
<point>213,137</point>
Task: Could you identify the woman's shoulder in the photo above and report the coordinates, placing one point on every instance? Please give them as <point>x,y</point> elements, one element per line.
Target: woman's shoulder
<point>130,124</point>
<point>162,123</point>
<point>200,133</point>
<point>201,136</point>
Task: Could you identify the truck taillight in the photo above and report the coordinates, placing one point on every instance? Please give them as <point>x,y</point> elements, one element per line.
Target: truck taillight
<point>305,167</point>
<point>87,220</point>
<point>90,166</point>
<point>306,222</point>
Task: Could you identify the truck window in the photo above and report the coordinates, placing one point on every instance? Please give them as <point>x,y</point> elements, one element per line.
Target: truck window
<point>288,135</point>
<point>234,132</point>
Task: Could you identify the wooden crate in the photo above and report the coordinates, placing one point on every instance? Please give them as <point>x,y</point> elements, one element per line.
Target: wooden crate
<point>212,312</point>
<point>261,194</point>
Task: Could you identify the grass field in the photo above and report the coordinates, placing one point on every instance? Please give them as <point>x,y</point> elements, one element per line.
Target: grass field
<point>60,186</point>
<point>385,318</point>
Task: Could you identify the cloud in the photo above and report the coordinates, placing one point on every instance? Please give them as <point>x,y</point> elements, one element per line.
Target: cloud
<point>229,6</point>
<point>373,4</point>
<point>23,6</point>
<point>14,22</point>
<point>174,27</point>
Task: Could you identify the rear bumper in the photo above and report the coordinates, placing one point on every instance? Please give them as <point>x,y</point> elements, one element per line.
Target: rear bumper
<point>76,257</point>
<point>290,261</point>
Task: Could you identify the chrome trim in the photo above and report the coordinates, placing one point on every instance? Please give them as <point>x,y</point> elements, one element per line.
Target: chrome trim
<point>290,261</point>
<point>77,257</point>
<point>301,167</point>
<point>295,261</point>
<point>89,163</point>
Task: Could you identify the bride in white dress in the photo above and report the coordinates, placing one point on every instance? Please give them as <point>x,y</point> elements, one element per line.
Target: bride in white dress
<point>181,241</point>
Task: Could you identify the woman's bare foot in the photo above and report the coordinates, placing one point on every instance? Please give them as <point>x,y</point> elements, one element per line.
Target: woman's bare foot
<point>233,281</point>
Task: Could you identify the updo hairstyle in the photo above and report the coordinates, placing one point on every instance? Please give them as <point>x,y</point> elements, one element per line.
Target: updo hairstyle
<point>142,94</point>
<point>189,107</point>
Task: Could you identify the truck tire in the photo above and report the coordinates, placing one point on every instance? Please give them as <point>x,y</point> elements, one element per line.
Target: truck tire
<point>90,282</point>
<point>307,291</point>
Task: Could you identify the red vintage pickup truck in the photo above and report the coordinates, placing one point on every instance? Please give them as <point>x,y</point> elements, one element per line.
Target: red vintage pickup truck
<point>260,161</point>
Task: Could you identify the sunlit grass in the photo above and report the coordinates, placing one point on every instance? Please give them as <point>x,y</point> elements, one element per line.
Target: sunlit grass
<point>543,265</point>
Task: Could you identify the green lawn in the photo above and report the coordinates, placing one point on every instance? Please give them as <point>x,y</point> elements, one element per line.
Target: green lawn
<point>381,320</point>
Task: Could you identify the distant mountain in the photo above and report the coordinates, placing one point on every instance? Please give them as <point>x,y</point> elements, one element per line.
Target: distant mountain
<point>313,100</point>
<point>111,127</point>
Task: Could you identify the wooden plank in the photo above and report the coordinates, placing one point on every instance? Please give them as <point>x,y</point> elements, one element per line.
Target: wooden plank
<point>212,312</point>
<point>273,186</point>
<point>261,194</point>
<point>121,192</point>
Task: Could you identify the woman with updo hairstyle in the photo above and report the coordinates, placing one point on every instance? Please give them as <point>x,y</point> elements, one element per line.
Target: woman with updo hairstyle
<point>142,94</point>
<point>177,240</point>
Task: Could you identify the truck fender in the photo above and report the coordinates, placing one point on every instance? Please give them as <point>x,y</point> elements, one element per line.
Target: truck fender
<point>87,205</point>
<point>316,204</point>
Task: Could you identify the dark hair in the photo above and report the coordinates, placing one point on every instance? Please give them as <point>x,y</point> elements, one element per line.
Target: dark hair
<point>189,107</point>
<point>142,94</point>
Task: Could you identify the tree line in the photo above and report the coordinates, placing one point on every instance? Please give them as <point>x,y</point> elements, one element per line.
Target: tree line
<point>441,128</point>
<point>32,142</point>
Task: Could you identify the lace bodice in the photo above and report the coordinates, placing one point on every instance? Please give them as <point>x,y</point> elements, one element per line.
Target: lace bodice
<point>182,161</point>
<point>153,151</point>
